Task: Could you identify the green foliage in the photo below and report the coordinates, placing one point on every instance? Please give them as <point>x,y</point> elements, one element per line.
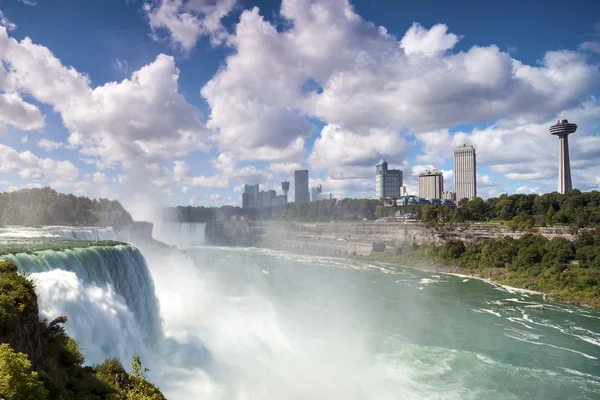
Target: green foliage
<point>17,381</point>
<point>569,271</point>
<point>35,207</point>
<point>16,297</point>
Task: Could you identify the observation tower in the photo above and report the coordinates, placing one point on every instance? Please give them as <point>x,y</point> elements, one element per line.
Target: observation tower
<point>563,129</point>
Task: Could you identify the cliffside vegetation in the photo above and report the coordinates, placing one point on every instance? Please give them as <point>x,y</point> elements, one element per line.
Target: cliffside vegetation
<point>39,361</point>
<point>568,271</point>
<point>35,207</point>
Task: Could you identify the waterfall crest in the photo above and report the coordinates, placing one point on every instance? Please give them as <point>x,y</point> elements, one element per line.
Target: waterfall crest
<point>181,234</point>
<point>116,276</point>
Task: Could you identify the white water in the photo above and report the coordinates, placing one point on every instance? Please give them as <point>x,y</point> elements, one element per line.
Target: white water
<point>84,233</point>
<point>310,328</point>
<point>181,234</point>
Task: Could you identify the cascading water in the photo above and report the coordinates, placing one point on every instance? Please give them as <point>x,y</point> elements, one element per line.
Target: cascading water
<point>98,283</point>
<point>181,234</point>
<point>84,233</point>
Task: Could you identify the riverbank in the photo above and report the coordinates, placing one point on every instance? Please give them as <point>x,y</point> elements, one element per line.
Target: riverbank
<point>566,271</point>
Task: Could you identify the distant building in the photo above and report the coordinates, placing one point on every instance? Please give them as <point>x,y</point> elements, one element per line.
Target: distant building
<point>253,198</point>
<point>465,172</point>
<point>301,186</point>
<point>250,196</point>
<point>403,191</point>
<point>315,191</point>
<point>387,181</point>
<point>448,195</point>
<point>416,200</point>
<point>316,194</point>
<point>431,184</point>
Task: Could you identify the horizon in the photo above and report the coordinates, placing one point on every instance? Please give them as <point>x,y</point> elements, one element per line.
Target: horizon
<point>173,102</point>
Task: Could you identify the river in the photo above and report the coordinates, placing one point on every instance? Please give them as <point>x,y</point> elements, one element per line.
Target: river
<point>224,323</point>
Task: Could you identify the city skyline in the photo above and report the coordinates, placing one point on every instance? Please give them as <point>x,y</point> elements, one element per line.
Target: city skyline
<point>250,102</point>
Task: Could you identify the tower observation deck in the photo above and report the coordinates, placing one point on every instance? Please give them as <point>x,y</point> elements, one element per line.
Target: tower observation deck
<point>563,129</point>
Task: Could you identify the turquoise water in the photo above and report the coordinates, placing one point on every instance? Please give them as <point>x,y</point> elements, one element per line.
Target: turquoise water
<point>427,335</point>
<point>221,323</point>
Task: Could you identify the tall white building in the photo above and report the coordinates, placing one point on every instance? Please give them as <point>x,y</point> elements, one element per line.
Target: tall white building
<point>431,184</point>
<point>465,172</point>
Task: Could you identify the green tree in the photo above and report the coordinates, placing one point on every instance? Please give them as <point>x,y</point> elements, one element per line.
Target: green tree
<point>139,388</point>
<point>16,382</point>
<point>550,216</point>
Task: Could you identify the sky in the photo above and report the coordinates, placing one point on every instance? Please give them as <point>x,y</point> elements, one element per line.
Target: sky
<point>177,102</point>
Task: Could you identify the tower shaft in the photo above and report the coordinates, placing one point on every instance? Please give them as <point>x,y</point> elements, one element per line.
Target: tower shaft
<point>564,165</point>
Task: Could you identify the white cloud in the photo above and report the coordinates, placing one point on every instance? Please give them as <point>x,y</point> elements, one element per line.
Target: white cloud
<point>593,47</point>
<point>99,177</point>
<point>284,167</point>
<point>371,86</point>
<point>185,189</point>
<point>121,66</point>
<point>527,190</point>
<point>24,139</point>
<point>48,145</point>
<point>430,42</point>
<point>29,2</point>
<point>6,23</point>
<point>16,112</point>
<point>187,20</point>
<point>29,166</point>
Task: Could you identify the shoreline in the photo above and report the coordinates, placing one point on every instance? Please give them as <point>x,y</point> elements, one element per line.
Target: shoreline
<point>444,269</point>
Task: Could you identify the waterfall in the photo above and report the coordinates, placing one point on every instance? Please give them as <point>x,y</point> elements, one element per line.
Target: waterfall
<point>84,233</point>
<point>181,234</point>
<point>108,290</point>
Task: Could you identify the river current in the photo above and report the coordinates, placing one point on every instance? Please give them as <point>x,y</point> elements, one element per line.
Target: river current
<point>223,323</point>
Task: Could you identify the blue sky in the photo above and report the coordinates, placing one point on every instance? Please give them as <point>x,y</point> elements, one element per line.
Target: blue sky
<point>183,101</point>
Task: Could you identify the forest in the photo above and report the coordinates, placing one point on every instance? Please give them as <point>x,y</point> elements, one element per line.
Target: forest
<point>37,207</point>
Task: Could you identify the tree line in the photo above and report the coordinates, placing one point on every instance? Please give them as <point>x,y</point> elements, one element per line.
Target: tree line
<point>45,206</point>
<point>569,270</point>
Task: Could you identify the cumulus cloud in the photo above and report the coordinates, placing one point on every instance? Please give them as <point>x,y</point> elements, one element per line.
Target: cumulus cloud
<point>48,145</point>
<point>16,112</point>
<point>29,166</point>
<point>6,23</point>
<point>187,20</point>
<point>99,177</point>
<point>369,86</point>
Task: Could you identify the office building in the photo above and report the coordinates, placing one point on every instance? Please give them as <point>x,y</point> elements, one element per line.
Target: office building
<point>448,195</point>
<point>563,129</point>
<point>431,184</point>
<point>250,196</point>
<point>315,191</point>
<point>253,198</point>
<point>301,186</point>
<point>387,181</point>
<point>465,172</point>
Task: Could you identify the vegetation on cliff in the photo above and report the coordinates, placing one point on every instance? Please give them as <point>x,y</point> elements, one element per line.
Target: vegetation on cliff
<point>39,361</point>
<point>36,207</point>
<point>568,271</point>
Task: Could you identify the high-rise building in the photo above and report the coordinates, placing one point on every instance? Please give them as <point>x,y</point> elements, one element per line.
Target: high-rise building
<point>431,184</point>
<point>315,191</point>
<point>387,181</point>
<point>465,172</point>
<point>285,186</point>
<point>301,186</point>
<point>448,195</point>
<point>250,196</point>
<point>563,129</point>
